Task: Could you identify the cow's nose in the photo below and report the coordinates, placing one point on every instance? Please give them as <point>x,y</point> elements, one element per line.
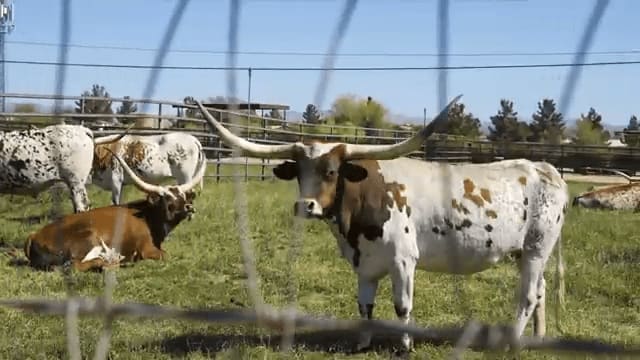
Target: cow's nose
<point>576,200</point>
<point>307,207</point>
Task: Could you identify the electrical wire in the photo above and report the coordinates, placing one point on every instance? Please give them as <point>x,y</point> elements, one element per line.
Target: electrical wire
<point>310,68</point>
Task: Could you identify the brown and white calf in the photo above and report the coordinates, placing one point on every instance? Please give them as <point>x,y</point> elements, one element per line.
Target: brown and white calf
<point>136,230</point>
<point>392,215</point>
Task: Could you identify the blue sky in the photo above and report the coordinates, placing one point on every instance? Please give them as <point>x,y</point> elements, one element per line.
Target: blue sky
<point>400,26</point>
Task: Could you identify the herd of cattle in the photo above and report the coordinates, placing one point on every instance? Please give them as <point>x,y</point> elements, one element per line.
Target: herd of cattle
<point>389,214</point>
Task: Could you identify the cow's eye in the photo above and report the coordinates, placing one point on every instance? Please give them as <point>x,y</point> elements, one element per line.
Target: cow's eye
<point>331,173</point>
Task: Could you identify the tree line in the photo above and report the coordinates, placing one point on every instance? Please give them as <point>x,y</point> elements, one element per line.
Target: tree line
<point>546,125</point>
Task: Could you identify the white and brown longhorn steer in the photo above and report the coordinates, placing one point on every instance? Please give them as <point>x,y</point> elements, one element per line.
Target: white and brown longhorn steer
<point>153,158</point>
<point>392,214</point>
<point>612,197</point>
<point>32,160</point>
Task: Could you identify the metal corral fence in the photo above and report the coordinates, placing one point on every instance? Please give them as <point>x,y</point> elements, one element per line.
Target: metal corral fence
<point>266,130</point>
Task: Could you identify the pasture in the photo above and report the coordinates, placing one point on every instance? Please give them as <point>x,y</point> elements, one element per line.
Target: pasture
<point>601,253</point>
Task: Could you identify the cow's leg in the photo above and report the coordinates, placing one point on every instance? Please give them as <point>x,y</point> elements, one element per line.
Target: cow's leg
<point>539,324</point>
<point>79,196</point>
<point>531,269</point>
<point>117,183</point>
<point>116,194</point>
<point>78,265</point>
<point>402,277</point>
<point>367,289</point>
<point>149,251</point>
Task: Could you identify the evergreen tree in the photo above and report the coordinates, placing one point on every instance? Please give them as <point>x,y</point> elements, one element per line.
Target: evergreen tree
<point>633,123</point>
<point>95,106</point>
<point>589,129</point>
<point>548,125</point>
<point>127,107</point>
<point>506,126</point>
<point>311,114</point>
<point>632,139</point>
<point>461,123</point>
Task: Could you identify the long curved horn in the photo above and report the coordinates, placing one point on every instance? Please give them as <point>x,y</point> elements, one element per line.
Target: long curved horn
<point>385,152</point>
<point>140,184</point>
<point>248,148</point>
<point>196,179</point>
<point>112,138</point>
<point>629,178</point>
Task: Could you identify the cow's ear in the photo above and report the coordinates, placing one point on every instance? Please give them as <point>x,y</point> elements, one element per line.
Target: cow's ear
<point>353,172</point>
<point>286,171</point>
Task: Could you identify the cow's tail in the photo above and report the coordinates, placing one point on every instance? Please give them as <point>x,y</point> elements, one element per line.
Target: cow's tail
<point>202,158</point>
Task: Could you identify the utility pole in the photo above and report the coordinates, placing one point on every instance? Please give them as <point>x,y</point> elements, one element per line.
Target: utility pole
<point>424,118</point>
<point>6,26</point>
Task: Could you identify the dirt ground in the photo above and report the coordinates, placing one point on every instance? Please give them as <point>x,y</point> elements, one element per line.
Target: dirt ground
<point>599,179</point>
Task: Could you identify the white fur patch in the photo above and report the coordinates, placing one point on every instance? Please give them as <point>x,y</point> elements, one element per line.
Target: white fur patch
<point>102,251</point>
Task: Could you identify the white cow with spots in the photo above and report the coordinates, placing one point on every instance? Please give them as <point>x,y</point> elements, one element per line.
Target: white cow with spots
<point>32,160</point>
<point>154,158</point>
<point>392,215</point>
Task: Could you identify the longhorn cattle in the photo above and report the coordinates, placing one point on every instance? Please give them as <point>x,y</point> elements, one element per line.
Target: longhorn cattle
<point>611,197</point>
<point>392,215</point>
<point>32,160</point>
<point>153,157</point>
<point>136,230</point>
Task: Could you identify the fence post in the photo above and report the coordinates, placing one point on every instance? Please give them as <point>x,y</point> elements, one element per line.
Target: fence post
<point>218,162</point>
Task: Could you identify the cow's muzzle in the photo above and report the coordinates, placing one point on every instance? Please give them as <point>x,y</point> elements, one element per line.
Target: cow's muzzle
<point>576,201</point>
<point>191,211</point>
<point>307,208</point>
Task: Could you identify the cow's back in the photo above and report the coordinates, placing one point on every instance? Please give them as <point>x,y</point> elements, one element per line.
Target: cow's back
<point>467,216</point>
<point>36,158</point>
<point>76,234</point>
<point>163,156</point>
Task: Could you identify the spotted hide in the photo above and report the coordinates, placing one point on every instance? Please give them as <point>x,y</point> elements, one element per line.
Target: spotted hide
<point>32,160</point>
<point>154,158</point>
<point>612,197</point>
<point>392,215</point>
<point>135,230</point>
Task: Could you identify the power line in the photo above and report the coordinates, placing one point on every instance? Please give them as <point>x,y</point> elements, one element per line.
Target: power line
<point>343,54</point>
<point>362,68</point>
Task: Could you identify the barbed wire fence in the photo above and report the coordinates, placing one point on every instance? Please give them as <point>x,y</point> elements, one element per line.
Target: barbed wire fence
<point>482,337</point>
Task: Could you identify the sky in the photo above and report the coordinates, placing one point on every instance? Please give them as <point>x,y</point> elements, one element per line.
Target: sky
<point>377,26</point>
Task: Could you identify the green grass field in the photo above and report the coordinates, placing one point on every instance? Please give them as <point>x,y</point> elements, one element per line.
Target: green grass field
<point>601,252</point>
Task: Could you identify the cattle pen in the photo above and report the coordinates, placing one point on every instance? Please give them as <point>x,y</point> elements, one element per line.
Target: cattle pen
<point>579,159</point>
<point>244,280</point>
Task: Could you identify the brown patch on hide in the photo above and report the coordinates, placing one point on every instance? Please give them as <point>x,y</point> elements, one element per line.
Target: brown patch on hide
<point>133,153</point>
<point>522,180</point>
<point>469,186</point>
<point>486,195</point>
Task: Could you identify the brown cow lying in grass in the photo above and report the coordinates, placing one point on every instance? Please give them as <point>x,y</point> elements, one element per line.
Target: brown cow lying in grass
<point>135,230</point>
